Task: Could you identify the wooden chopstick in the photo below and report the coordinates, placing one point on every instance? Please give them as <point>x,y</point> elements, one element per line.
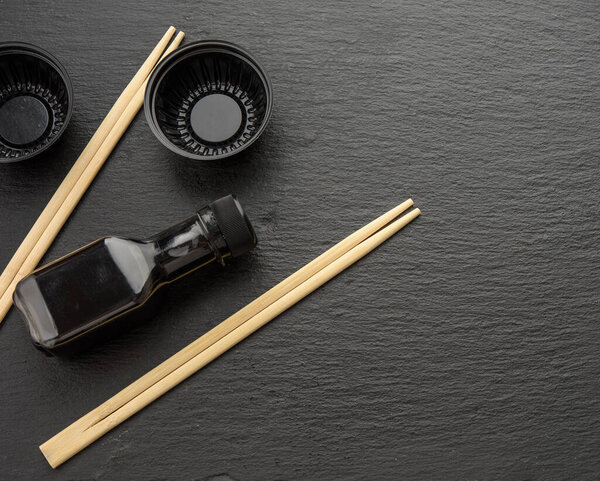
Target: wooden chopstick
<point>234,321</point>
<point>81,163</point>
<point>79,188</point>
<point>82,433</point>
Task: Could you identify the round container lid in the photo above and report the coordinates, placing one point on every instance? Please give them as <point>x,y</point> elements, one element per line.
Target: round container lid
<point>23,120</point>
<point>216,118</point>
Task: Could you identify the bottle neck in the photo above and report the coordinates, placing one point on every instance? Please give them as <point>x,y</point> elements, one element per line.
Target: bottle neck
<point>191,244</point>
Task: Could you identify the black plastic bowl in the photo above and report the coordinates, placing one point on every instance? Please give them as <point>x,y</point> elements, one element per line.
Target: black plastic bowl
<point>35,101</point>
<point>208,100</point>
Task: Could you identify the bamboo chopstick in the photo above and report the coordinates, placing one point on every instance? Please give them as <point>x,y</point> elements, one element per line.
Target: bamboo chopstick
<point>80,187</point>
<point>237,319</point>
<point>81,163</point>
<point>71,440</point>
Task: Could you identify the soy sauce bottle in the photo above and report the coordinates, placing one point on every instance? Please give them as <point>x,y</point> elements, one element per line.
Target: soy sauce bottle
<point>86,295</point>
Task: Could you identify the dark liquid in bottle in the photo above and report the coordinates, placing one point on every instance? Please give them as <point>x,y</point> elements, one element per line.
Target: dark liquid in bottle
<point>110,282</point>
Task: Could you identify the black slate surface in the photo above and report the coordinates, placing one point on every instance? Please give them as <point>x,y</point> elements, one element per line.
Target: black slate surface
<point>466,348</point>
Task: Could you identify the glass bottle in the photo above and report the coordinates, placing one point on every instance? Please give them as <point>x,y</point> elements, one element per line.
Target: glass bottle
<point>85,295</point>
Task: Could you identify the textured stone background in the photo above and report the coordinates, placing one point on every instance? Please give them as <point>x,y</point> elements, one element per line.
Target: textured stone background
<point>466,348</point>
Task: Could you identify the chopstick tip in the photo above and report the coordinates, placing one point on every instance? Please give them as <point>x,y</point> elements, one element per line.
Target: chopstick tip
<point>48,456</point>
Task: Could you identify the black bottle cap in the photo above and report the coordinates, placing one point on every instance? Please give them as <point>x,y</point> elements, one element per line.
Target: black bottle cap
<point>234,224</point>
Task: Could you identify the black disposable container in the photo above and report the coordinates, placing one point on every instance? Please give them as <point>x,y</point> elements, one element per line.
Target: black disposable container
<point>35,101</point>
<point>107,285</point>
<point>208,100</point>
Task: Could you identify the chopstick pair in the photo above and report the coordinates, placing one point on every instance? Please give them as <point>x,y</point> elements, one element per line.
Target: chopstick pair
<point>211,345</point>
<point>81,175</point>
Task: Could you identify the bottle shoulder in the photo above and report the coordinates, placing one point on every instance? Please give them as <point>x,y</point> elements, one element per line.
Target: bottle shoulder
<point>135,260</point>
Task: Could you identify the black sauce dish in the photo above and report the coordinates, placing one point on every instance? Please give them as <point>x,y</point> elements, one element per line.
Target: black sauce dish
<point>208,100</point>
<point>36,101</point>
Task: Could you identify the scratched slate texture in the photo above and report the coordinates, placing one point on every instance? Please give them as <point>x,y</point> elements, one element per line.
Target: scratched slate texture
<point>465,348</point>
